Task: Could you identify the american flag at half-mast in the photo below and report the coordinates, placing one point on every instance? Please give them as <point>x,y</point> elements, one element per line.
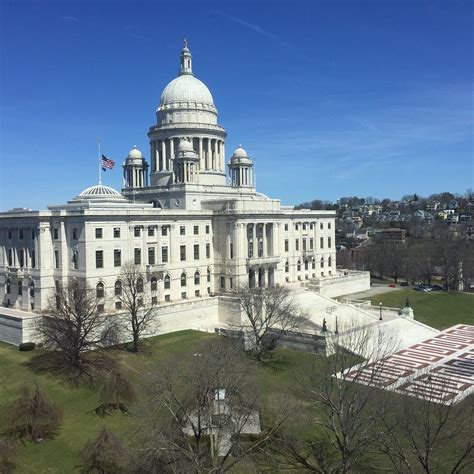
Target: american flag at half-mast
<point>107,163</point>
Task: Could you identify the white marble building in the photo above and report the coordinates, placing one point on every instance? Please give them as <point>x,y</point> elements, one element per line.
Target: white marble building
<point>194,222</point>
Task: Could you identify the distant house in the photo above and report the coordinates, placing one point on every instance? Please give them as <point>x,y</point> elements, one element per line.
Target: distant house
<point>453,204</point>
<point>393,234</point>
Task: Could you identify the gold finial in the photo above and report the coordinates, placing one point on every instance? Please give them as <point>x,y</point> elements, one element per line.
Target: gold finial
<point>185,42</point>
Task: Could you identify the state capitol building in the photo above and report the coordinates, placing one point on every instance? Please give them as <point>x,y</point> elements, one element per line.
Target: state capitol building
<point>190,218</point>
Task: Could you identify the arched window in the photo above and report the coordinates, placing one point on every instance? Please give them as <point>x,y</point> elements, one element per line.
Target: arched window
<point>183,279</point>
<point>209,275</point>
<point>139,285</point>
<point>32,289</point>
<point>298,266</point>
<point>306,264</point>
<point>154,284</point>
<point>287,266</point>
<point>197,278</point>
<point>99,290</point>
<point>118,288</point>
<point>167,282</point>
<point>313,263</point>
<point>20,287</point>
<point>329,261</point>
<point>8,285</point>
<point>322,262</point>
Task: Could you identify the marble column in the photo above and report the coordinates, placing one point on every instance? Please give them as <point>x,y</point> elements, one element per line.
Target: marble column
<point>264,239</point>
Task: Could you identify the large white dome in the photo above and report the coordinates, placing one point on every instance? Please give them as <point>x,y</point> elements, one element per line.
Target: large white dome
<point>186,90</point>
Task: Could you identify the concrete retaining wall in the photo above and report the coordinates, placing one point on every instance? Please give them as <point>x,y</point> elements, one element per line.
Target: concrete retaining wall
<point>343,285</point>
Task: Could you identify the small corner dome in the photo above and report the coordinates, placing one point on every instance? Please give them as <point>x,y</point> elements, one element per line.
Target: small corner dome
<point>239,152</point>
<point>135,153</point>
<point>185,145</point>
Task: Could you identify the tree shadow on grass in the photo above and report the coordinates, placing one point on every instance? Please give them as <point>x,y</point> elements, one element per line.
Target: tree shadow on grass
<point>91,370</point>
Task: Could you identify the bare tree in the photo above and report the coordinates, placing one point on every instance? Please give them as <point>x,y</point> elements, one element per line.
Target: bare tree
<point>8,454</point>
<point>74,326</point>
<point>268,314</point>
<point>423,435</point>
<point>395,256</point>
<point>141,317</point>
<point>32,416</point>
<point>117,393</point>
<point>105,455</point>
<point>201,412</point>
<point>338,397</point>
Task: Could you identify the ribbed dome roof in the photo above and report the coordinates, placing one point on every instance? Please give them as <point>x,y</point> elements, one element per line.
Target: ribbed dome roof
<point>186,88</point>
<point>99,191</point>
<point>239,152</point>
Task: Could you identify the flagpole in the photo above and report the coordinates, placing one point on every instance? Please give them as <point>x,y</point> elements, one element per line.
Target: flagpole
<point>100,161</point>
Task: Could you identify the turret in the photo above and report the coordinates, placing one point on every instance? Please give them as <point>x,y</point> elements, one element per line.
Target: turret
<point>241,169</point>
<point>135,170</point>
<point>186,163</point>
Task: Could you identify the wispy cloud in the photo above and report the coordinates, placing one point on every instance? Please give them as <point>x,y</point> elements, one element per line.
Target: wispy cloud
<point>250,26</point>
<point>69,18</point>
<point>134,32</point>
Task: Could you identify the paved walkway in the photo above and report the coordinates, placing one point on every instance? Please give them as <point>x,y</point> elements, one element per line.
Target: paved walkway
<point>375,290</point>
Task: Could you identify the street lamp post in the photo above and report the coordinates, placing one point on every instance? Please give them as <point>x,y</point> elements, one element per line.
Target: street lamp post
<point>380,308</point>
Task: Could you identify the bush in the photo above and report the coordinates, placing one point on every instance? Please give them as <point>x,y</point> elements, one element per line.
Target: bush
<point>26,346</point>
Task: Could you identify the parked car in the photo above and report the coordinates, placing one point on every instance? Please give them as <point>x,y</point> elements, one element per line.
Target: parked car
<point>423,288</point>
<point>437,288</point>
<point>392,285</point>
<point>403,283</point>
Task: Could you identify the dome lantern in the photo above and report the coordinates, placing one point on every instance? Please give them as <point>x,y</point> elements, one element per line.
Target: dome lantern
<point>240,168</point>
<point>135,169</point>
<point>186,66</point>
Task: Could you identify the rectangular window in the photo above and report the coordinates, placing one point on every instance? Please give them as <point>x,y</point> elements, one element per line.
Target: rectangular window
<point>75,259</point>
<point>154,300</point>
<point>321,242</point>
<point>329,225</point>
<point>140,301</point>
<point>164,254</point>
<point>183,295</point>
<point>197,293</point>
<point>297,244</point>
<point>311,243</point>
<point>286,226</point>
<point>55,234</point>
<point>196,230</point>
<point>196,252</point>
<point>164,231</point>
<point>304,244</point>
<point>117,258</point>
<point>20,232</point>
<point>33,259</point>
<point>21,258</point>
<point>231,250</point>
<point>182,252</point>
<point>99,259</point>
<point>151,255</point>
<point>56,259</point>
<point>207,229</point>
<point>304,226</point>
<point>250,242</point>
<point>208,276</point>
<point>118,305</point>
<point>136,232</point>
<point>231,283</point>
<point>116,232</point>
<point>10,257</point>
<point>222,282</point>
<point>74,234</point>
<point>9,234</point>
<point>287,245</point>
<point>33,235</point>
<point>311,226</point>
<point>100,308</point>
<point>329,242</point>
<point>182,230</point>
<point>208,250</point>
<point>137,256</point>
<point>297,226</point>
<point>98,232</point>
<point>151,231</point>
<point>167,298</point>
<point>321,226</point>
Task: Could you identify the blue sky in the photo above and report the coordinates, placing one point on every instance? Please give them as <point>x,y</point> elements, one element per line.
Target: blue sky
<point>331,98</point>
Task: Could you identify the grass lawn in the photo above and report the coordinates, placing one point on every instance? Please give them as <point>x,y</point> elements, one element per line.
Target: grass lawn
<point>60,455</point>
<point>436,308</point>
